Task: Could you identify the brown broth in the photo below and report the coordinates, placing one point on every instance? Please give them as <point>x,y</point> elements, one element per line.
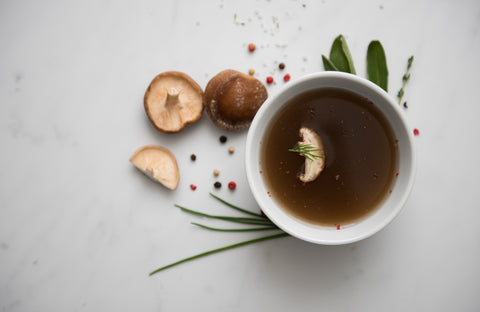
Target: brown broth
<point>360,157</point>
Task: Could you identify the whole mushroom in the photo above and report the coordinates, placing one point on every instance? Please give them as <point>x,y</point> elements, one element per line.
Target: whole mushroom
<point>233,98</point>
<point>172,101</point>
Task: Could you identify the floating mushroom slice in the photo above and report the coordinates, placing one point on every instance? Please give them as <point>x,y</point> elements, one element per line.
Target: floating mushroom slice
<point>172,101</point>
<point>233,98</point>
<point>314,164</point>
<point>158,163</point>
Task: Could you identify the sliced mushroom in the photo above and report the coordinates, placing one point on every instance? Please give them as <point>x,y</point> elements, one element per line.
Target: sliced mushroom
<point>314,164</point>
<point>158,163</point>
<point>233,98</point>
<point>172,101</point>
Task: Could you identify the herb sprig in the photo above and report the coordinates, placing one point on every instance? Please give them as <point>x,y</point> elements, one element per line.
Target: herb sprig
<point>306,150</point>
<point>405,79</point>
<point>263,223</point>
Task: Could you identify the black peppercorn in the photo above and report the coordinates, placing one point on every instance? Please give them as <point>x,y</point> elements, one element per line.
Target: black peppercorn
<point>223,139</point>
<point>193,157</point>
<point>281,65</point>
<point>217,185</point>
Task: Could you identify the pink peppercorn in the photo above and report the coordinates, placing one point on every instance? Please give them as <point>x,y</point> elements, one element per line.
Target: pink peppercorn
<point>269,79</point>
<point>286,77</point>
<point>193,187</point>
<point>232,185</point>
<point>251,47</point>
<point>416,132</point>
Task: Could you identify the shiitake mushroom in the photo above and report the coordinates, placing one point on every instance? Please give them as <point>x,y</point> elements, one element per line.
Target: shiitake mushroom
<point>233,98</point>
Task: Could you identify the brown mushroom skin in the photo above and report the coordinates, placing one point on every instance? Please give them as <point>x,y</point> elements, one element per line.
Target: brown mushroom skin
<point>158,97</point>
<point>232,99</point>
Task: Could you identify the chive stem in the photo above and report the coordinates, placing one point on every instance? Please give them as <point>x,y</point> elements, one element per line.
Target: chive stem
<point>219,250</point>
<point>226,218</point>
<point>237,208</point>
<point>265,228</point>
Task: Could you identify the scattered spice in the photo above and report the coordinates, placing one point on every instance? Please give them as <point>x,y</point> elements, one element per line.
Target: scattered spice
<point>286,77</point>
<point>396,174</point>
<point>231,149</point>
<point>405,104</point>
<point>217,185</point>
<point>193,187</point>
<point>252,47</point>
<point>216,172</point>
<point>269,79</point>
<point>251,71</point>
<point>193,157</point>
<point>281,65</point>
<point>416,132</point>
<point>232,185</point>
<point>223,139</point>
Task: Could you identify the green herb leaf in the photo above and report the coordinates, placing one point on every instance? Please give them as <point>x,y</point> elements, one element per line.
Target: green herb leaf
<point>377,71</point>
<point>340,56</point>
<point>220,249</point>
<point>328,65</point>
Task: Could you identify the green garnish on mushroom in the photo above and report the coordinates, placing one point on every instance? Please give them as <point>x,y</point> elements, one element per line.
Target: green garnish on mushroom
<point>312,149</point>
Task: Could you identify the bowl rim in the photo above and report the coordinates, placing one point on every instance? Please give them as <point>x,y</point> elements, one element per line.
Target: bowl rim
<point>251,160</point>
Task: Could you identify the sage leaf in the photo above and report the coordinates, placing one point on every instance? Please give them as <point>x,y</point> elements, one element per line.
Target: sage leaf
<point>329,66</point>
<point>340,55</point>
<point>377,71</point>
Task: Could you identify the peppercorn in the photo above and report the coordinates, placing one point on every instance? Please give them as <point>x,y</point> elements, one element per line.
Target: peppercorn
<point>232,185</point>
<point>231,149</point>
<point>217,185</point>
<point>405,104</point>
<point>416,132</point>
<point>251,47</point>
<point>216,172</point>
<point>286,77</point>
<point>193,187</point>
<point>269,79</point>
<point>281,65</point>
<point>251,71</point>
<point>193,157</point>
<point>223,139</point>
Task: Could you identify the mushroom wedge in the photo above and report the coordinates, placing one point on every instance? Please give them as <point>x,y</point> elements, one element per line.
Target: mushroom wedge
<point>312,149</point>
<point>159,164</point>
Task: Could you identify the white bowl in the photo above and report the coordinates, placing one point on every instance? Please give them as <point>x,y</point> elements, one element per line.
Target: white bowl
<point>388,209</point>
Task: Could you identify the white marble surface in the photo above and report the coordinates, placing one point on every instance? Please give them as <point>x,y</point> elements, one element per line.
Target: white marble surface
<point>80,228</point>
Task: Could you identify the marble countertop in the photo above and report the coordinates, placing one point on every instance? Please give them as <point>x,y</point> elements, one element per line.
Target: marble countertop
<point>81,228</point>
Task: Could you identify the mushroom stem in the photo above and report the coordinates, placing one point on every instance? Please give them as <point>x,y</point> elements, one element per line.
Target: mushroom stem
<point>172,97</point>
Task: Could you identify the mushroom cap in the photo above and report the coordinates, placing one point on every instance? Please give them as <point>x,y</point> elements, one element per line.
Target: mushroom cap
<point>172,101</point>
<point>158,163</point>
<point>233,98</point>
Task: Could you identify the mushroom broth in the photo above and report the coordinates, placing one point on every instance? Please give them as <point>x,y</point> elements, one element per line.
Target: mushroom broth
<point>360,157</point>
